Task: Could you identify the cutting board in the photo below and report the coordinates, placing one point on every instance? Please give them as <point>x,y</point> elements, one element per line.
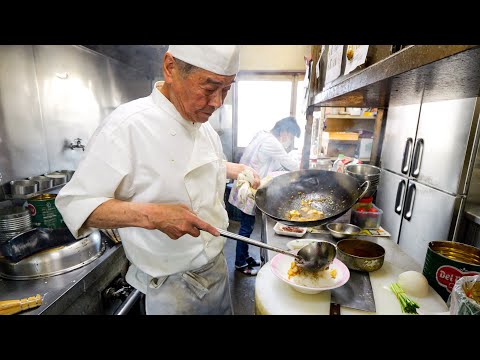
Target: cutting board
<point>273,296</point>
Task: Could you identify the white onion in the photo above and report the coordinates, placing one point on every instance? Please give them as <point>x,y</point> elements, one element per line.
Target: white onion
<point>413,283</point>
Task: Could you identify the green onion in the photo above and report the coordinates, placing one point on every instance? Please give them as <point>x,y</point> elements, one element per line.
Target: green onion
<point>408,305</point>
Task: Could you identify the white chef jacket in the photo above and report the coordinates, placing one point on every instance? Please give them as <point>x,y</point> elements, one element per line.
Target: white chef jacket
<point>265,154</point>
<point>146,152</point>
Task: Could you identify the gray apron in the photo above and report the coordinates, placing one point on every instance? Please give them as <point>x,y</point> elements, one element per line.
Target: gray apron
<point>204,291</point>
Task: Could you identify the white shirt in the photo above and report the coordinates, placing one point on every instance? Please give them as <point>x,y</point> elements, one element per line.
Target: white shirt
<point>265,154</point>
<point>146,152</point>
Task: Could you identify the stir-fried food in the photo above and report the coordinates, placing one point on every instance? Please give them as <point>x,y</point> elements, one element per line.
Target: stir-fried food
<point>306,212</point>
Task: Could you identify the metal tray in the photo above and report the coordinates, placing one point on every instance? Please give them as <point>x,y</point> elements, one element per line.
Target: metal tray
<point>55,261</point>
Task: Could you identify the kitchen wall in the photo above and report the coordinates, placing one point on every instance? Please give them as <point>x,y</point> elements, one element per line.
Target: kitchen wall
<point>51,95</point>
<point>273,57</point>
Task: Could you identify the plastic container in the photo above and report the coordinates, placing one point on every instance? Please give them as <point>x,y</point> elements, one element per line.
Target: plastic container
<point>364,203</point>
<point>370,219</point>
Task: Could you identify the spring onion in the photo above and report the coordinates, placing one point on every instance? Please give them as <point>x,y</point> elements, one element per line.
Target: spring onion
<point>408,305</point>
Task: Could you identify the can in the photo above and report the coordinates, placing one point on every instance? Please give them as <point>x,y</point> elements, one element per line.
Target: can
<point>448,261</point>
<point>44,212</point>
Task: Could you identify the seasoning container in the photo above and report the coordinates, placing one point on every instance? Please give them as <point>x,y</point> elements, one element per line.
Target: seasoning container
<point>44,212</point>
<point>448,261</point>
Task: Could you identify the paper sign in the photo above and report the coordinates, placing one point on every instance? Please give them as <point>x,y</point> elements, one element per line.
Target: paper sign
<point>359,57</point>
<point>334,62</point>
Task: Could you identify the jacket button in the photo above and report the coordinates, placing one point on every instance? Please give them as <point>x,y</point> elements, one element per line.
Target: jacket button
<point>173,132</point>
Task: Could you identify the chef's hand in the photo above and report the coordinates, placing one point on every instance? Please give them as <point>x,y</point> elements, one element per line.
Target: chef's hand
<point>256,178</point>
<point>176,220</point>
<point>234,169</point>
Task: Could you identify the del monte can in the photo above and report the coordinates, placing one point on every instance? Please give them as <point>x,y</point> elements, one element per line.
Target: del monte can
<point>44,212</point>
<point>446,262</point>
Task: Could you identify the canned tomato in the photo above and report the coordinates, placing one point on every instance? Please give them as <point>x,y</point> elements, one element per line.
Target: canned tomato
<point>446,262</point>
<point>44,212</point>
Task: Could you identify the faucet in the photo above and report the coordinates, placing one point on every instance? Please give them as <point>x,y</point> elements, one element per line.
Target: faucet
<point>78,145</point>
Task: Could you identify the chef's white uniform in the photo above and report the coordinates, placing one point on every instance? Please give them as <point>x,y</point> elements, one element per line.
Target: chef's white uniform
<point>146,152</point>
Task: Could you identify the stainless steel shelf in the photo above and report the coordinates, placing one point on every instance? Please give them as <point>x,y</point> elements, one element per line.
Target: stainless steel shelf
<point>32,195</point>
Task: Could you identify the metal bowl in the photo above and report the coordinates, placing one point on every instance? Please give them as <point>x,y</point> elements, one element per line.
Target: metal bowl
<point>362,255</point>
<point>343,230</point>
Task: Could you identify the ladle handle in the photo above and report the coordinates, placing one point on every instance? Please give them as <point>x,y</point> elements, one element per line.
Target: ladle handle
<point>233,236</point>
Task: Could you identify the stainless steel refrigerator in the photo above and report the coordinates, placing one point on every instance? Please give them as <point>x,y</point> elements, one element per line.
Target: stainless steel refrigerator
<point>427,159</point>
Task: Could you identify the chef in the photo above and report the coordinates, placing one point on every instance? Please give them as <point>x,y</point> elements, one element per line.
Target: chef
<point>155,170</point>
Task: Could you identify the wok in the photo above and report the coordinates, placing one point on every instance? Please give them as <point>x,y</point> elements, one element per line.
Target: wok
<point>334,194</point>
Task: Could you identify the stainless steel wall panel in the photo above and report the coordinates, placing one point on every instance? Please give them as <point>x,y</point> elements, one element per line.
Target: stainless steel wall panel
<point>74,95</point>
<point>126,84</point>
<point>22,142</point>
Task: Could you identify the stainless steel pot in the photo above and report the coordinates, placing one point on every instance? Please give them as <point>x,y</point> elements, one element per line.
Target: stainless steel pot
<point>43,182</point>
<point>333,194</point>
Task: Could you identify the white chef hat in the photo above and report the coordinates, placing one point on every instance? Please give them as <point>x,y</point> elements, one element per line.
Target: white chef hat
<point>219,59</point>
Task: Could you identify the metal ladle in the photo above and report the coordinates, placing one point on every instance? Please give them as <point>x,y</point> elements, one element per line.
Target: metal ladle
<point>312,257</point>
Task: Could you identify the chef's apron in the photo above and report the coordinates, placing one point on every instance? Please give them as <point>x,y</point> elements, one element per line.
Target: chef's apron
<point>204,291</point>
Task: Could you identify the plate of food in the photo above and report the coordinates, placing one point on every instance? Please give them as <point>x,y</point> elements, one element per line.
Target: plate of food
<point>284,268</point>
<point>282,229</point>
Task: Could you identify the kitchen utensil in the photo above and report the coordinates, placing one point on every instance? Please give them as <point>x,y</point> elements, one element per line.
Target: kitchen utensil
<point>343,230</point>
<point>362,255</point>
<point>280,265</point>
<point>43,182</point>
<point>23,187</point>
<point>55,261</point>
<point>329,192</point>
<point>312,257</point>
<point>10,307</point>
<point>357,293</point>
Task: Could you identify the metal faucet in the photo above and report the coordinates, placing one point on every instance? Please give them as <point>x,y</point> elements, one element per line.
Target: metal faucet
<point>78,145</point>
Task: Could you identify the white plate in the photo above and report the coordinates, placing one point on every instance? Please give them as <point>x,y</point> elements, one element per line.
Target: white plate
<point>279,228</point>
<point>280,265</point>
<point>298,244</point>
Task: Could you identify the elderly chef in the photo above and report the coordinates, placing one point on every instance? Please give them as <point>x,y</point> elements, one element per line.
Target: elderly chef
<point>155,169</point>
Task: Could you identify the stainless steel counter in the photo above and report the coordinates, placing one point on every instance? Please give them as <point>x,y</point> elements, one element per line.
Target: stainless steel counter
<point>472,213</point>
<point>273,296</point>
<point>76,292</point>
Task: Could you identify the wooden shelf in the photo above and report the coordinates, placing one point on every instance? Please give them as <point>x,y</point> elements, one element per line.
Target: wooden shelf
<point>434,72</point>
<point>353,117</point>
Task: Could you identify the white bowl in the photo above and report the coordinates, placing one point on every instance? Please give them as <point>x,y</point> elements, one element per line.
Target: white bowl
<point>298,244</point>
<point>281,264</point>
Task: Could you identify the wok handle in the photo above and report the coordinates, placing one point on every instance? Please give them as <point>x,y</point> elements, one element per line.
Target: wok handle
<point>364,191</point>
<point>233,236</point>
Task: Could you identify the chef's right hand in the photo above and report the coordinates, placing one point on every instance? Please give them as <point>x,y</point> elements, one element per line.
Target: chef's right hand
<point>176,220</point>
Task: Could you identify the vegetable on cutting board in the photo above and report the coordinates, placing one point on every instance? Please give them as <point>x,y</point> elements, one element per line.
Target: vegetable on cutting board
<point>407,305</point>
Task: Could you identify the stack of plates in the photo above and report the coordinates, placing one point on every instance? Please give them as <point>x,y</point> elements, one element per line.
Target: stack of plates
<point>14,221</point>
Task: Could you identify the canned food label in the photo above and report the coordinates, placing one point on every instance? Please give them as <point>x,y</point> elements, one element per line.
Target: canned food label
<point>446,276</point>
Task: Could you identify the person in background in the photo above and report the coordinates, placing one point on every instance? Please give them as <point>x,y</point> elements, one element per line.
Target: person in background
<point>265,153</point>
<point>154,169</point>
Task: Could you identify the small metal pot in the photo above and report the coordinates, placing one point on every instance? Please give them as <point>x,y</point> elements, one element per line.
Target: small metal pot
<point>58,178</point>
<point>362,255</point>
<point>68,172</point>
<point>43,182</point>
<point>23,187</point>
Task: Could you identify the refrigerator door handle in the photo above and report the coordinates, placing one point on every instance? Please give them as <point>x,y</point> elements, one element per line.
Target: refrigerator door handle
<point>417,157</point>
<point>398,200</point>
<point>409,201</point>
<point>406,155</point>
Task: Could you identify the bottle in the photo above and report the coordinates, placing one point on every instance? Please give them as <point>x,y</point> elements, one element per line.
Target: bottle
<point>338,165</point>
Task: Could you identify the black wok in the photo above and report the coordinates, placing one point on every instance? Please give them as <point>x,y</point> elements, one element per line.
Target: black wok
<point>335,193</point>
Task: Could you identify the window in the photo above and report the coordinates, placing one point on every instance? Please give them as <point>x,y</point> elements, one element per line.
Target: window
<point>263,99</point>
